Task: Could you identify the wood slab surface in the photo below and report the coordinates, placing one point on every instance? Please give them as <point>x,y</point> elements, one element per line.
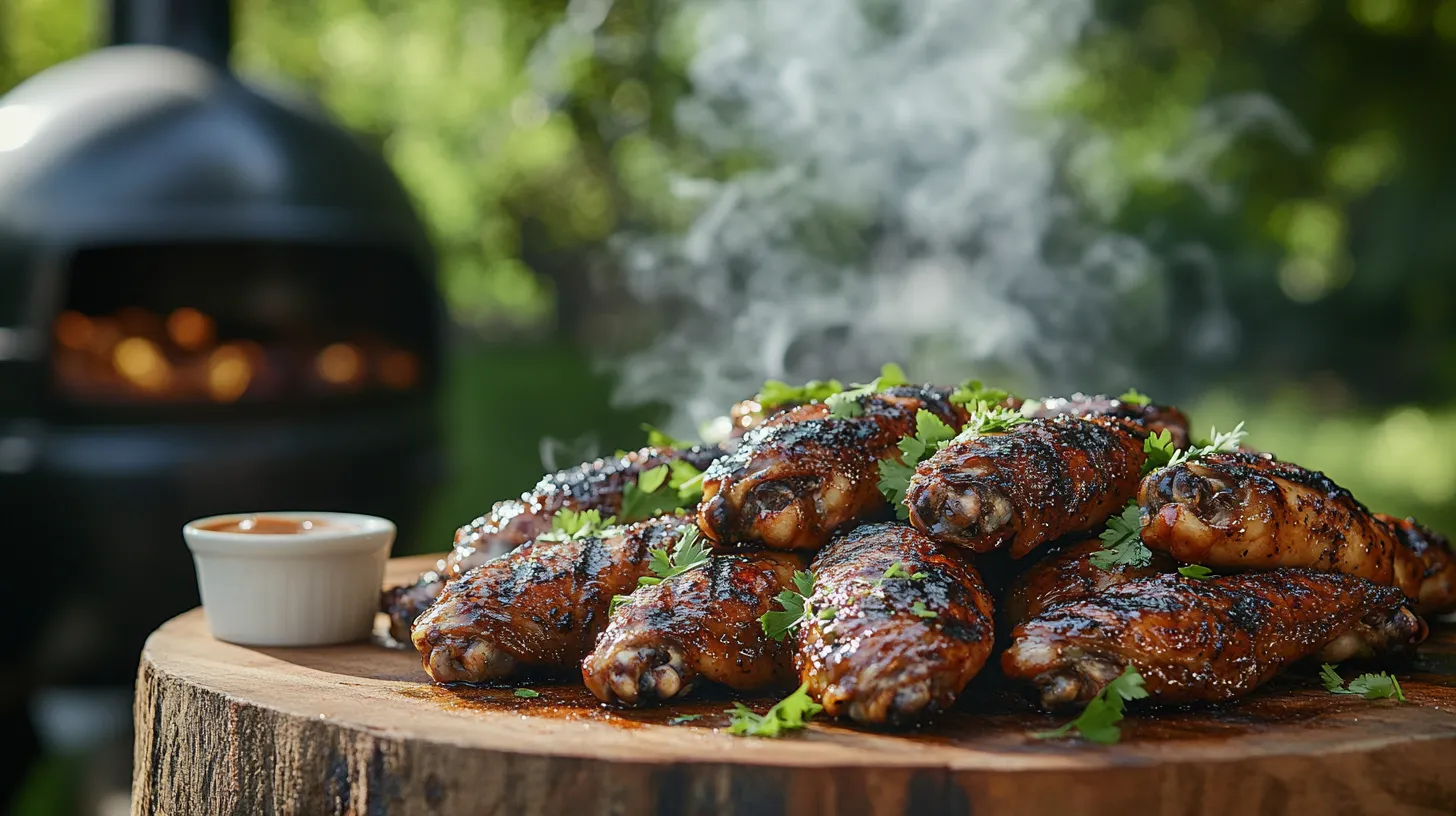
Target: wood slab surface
<point>359,729</point>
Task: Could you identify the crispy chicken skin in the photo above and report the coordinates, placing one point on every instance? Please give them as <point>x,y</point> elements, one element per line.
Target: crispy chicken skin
<point>1035,483</point>
<point>698,625</point>
<point>1200,641</point>
<point>805,473</point>
<point>1239,510</point>
<point>1067,574</point>
<point>1423,557</point>
<point>594,485</point>
<point>1156,418</point>
<point>537,609</point>
<point>876,661</point>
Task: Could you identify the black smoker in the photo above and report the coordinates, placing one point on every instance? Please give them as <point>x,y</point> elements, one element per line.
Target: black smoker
<point>211,300</point>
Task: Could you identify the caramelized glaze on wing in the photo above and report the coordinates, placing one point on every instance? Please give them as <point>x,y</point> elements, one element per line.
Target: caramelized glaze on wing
<point>1200,641</point>
<point>698,625</point>
<point>805,473</point>
<point>594,485</point>
<point>1037,482</point>
<point>880,659</point>
<point>537,609</point>
<point>1423,557</point>
<point>1156,418</point>
<point>1239,510</point>
<point>1067,574</point>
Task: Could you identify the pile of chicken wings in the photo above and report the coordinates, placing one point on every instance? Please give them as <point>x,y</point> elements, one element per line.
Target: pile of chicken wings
<point>999,546</point>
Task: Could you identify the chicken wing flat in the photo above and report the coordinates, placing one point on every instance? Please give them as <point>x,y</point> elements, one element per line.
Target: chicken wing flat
<point>537,609</point>
<point>1200,640</point>
<point>804,473</point>
<point>1423,557</point>
<point>1038,481</point>
<point>1067,574</point>
<point>1239,510</point>
<point>1156,418</point>
<point>594,485</point>
<point>901,643</point>
<point>701,624</point>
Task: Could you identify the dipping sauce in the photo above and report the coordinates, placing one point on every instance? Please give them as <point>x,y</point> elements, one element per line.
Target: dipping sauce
<point>266,525</point>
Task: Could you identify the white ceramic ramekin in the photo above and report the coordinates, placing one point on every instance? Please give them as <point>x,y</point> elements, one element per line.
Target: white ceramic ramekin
<point>291,589</point>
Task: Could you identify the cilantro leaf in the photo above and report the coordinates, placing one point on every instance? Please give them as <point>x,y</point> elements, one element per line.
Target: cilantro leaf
<point>1159,450</point>
<point>1132,396</point>
<point>525,692</point>
<point>572,525</point>
<point>972,392</point>
<point>894,483</point>
<point>658,490</point>
<point>776,392</point>
<point>899,570</point>
<point>1122,541</point>
<point>1222,443</point>
<point>930,434</point>
<point>689,552</point>
<point>796,609</point>
<point>1196,571</point>
<point>1370,686</point>
<point>789,714</point>
<point>920,611</point>
<point>687,481</point>
<point>849,404</point>
<point>1098,721</point>
<point>658,439</point>
<point>987,418</point>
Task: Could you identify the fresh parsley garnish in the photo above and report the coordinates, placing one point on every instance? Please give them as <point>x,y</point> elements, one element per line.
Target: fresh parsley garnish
<point>1222,443</point>
<point>689,552</point>
<point>1098,721</point>
<point>661,489</point>
<point>525,692</point>
<point>1158,451</point>
<point>972,392</point>
<point>1370,686</point>
<point>618,601</point>
<point>685,718</point>
<point>930,434</point>
<point>658,439</point>
<point>1196,571</point>
<point>987,418</point>
<point>921,612</point>
<point>796,608</point>
<point>687,481</point>
<point>572,525</point>
<point>1132,396</point>
<point>849,404</point>
<point>1122,541</point>
<point>789,714</point>
<point>776,392</point>
<point>900,571</point>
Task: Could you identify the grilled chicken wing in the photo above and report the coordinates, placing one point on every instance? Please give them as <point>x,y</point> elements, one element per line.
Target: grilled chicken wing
<point>1035,483</point>
<point>1423,557</point>
<point>1200,641</point>
<point>804,473</point>
<point>538,608</point>
<point>1156,418</point>
<point>1245,511</point>
<point>700,624</point>
<point>594,485</point>
<point>1067,574</point>
<point>896,649</point>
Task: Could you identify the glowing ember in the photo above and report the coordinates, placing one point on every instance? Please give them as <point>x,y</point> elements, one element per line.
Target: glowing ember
<point>141,362</point>
<point>228,373</point>
<point>189,328</point>
<point>339,364</point>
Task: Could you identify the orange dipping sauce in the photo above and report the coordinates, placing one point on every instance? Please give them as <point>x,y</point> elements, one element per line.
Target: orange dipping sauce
<point>266,525</point>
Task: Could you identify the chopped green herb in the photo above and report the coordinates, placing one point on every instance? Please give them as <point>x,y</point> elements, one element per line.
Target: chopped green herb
<point>1098,721</point>
<point>789,714</point>
<point>661,489</point>
<point>1222,443</point>
<point>972,392</point>
<point>525,692</point>
<point>796,608</point>
<point>775,392</point>
<point>899,570</point>
<point>658,439</point>
<point>618,601</point>
<point>930,434</point>
<point>571,525</point>
<point>685,718</point>
<point>1370,686</point>
<point>687,481</point>
<point>1159,450</point>
<point>921,612</point>
<point>1122,541</point>
<point>849,404</point>
<point>1132,396</point>
<point>1197,571</point>
<point>987,418</point>
<point>689,552</point>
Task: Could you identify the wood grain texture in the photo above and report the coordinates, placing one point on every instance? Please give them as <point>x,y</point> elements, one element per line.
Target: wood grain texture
<point>224,729</point>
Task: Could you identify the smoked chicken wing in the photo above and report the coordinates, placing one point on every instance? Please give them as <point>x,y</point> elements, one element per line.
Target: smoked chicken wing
<point>1423,557</point>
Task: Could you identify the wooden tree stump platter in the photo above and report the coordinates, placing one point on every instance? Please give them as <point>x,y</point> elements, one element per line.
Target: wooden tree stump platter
<point>359,729</point>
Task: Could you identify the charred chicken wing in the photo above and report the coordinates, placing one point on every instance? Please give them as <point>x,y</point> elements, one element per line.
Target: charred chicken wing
<point>805,472</point>
<point>537,609</point>
<point>1034,483</point>
<point>1156,418</point>
<point>594,485</point>
<point>904,624</point>
<point>1200,640</point>
<point>1423,557</point>
<point>1068,574</point>
<point>1240,510</point>
<point>701,624</point>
